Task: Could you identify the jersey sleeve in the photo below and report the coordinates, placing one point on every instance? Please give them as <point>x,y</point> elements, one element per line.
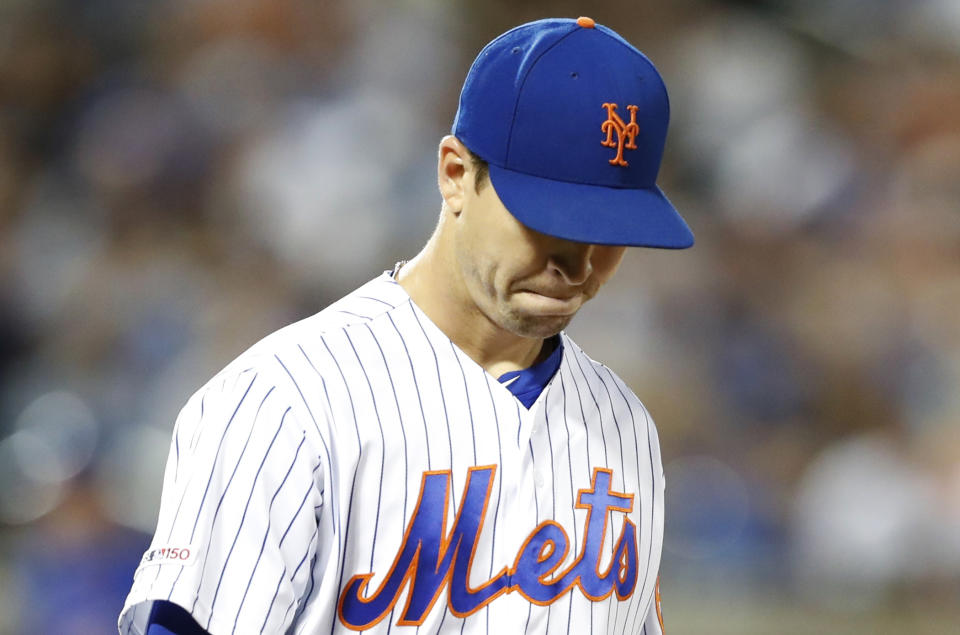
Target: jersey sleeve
<point>237,531</point>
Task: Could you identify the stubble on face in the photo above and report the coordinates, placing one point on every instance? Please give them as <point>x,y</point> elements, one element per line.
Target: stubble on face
<point>497,288</point>
<point>533,326</point>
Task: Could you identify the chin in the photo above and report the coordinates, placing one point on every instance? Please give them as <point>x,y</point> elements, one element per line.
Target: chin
<point>537,326</point>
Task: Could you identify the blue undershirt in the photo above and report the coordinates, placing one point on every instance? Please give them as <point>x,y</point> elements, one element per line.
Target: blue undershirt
<point>166,618</point>
<point>528,383</point>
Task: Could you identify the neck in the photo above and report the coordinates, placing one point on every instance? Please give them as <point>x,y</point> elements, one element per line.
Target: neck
<point>432,281</point>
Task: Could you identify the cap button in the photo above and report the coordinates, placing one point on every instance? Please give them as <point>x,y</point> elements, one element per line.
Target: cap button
<point>586,22</point>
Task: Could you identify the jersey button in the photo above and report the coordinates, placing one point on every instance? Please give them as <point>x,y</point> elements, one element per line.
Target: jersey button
<point>538,479</point>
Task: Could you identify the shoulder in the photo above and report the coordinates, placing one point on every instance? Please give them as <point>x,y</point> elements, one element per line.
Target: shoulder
<point>365,304</point>
<point>602,380</point>
<point>293,361</point>
<point>611,391</point>
<point>290,351</point>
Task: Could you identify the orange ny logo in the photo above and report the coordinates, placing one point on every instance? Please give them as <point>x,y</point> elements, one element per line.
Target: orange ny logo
<point>626,132</point>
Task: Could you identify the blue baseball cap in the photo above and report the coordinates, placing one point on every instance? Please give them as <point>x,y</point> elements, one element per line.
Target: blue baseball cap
<point>572,120</point>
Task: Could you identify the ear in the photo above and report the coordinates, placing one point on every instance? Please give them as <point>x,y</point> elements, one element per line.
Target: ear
<point>454,172</point>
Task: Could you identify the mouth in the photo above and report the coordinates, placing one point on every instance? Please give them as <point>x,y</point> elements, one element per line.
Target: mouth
<point>552,303</point>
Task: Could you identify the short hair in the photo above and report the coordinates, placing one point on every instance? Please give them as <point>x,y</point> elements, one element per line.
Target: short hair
<point>482,169</point>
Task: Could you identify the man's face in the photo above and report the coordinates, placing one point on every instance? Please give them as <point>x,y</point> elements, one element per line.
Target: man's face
<point>527,283</point>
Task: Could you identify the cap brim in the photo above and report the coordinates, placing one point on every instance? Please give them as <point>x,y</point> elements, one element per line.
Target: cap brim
<point>592,213</point>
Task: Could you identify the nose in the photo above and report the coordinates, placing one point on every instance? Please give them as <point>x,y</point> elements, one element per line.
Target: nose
<point>572,261</point>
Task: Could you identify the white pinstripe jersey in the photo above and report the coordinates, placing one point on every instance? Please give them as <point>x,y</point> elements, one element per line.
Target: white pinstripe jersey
<point>356,470</point>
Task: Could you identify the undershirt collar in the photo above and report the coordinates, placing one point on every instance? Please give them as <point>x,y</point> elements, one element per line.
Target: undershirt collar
<point>527,384</point>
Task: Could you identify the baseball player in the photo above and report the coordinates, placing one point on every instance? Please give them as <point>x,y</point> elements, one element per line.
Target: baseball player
<point>432,453</point>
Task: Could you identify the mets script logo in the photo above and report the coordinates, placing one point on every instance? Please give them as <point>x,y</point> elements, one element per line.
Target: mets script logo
<point>626,132</point>
<point>430,559</point>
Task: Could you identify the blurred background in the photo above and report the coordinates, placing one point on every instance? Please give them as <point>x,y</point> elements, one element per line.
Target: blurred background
<point>180,177</point>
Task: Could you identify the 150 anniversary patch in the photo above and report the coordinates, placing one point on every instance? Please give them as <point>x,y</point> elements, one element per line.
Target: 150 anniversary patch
<point>169,554</point>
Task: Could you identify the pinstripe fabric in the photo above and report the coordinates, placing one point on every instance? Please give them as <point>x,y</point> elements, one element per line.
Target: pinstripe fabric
<point>302,464</point>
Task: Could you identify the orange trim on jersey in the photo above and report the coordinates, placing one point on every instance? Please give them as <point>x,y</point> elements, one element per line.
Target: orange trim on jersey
<point>541,558</point>
<point>656,595</point>
<point>473,552</point>
<point>411,569</point>
<point>444,547</point>
<point>603,533</point>
<point>547,552</point>
<point>627,530</point>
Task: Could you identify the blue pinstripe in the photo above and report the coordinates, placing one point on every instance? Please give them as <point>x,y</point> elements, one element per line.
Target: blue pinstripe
<point>206,490</point>
<point>623,473</point>
<point>323,441</point>
<point>473,432</point>
<point>416,386</point>
<point>246,508</point>
<point>653,498</point>
<point>403,432</point>
<point>293,577</point>
<point>496,510</point>
<point>266,533</point>
<point>346,534</point>
<point>383,443</point>
<point>573,491</point>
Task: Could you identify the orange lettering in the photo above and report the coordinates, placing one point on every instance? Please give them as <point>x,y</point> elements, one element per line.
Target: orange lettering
<point>626,132</point>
